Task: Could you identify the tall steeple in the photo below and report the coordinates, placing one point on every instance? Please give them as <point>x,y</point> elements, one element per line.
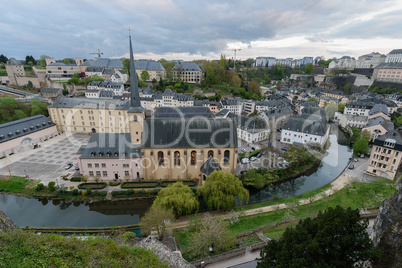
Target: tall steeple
<point>135,106</point>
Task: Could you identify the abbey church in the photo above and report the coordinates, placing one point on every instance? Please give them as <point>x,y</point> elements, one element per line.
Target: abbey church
<point>129,143</point>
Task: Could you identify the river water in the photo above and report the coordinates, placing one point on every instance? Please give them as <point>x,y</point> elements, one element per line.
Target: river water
<point>331,166</point>
<point>33,212</point>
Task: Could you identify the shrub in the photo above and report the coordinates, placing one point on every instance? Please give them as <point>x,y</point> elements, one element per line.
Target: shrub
<point>84,193</point>
<point>89,191</point>
<point>114,183</point>
<point>139,184</point>
<point>102,193</point>
<point>71,187</point>
<point>51,185</point>
<point>75,192</point>
<point>76,179</point>
<point>93,185</point>
<point>39,186</point>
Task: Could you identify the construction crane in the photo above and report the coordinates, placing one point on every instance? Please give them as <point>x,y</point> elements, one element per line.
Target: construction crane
<point>235,50</point>
<point>98,53</point>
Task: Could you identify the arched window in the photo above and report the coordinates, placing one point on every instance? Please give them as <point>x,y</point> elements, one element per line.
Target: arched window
<point>210,153</point>
<point>177,158</point>
<point>226,157</point>
<point>161,160</point>
<point>193,157</point>
<point>135,118</point>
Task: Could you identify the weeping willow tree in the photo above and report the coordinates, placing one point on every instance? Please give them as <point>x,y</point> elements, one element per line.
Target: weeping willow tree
<point>178,197</point>
<point>221,189</point>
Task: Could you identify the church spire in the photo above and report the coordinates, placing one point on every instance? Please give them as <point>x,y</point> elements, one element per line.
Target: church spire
<point>134,94</point>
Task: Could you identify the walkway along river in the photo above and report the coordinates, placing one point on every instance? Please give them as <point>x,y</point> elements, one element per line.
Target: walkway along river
<point>33,212</point>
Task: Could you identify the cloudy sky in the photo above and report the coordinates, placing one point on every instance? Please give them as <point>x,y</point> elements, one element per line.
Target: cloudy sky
<point>178,29</point>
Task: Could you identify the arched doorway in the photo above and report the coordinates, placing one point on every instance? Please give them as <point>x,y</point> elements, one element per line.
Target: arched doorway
<point>93,130</point>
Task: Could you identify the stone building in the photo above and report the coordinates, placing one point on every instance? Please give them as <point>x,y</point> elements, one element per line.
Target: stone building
<point>25,133</point>
<point>386,153</point>
<point>188,72</point>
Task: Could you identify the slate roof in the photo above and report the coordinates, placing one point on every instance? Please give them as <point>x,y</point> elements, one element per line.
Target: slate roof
<point>149,65</point>
<point>387,124</point>
<point>22,127</point>
<point>182,97</point>
<point>187,66</point>
<point>379,108</point>
<point>91,103</point>
<point>210,166</point>
<point>308,124</point>
<point>180,112</point>
<point>394,136</point>
<point>395,51</point>
<point>93,69</point>
<point>110,145</point>
<point>108,63</point>
<point>275,113</point>
<point>106,94</point>
<point>13,61</point>
<point>189,133</point>
<point>61,64</point>
<point>108,71</point>
<point>222,113</point>
<point>389,65</point>
<point>249,124</point>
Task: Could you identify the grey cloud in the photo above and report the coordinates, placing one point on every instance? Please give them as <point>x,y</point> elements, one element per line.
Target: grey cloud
<point>66,29</point>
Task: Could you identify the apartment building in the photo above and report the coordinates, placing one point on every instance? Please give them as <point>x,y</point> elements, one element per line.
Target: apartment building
<point>386,153</point>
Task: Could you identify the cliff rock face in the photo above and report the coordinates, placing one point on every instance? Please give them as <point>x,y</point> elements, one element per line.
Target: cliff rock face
<point>387,229</point>
<point>5,223</point>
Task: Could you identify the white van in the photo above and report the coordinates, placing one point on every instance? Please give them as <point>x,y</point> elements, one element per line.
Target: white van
<point>245,160</point>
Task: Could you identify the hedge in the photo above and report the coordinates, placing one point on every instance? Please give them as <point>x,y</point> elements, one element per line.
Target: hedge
<point>190,183</point>
<point>136,192</point>
<point>114,183</point>
<point>75,179</point>
<point>132,184</point>
<point>92,185</point>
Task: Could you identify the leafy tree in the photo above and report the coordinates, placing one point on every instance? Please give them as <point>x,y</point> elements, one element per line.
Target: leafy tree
<point>253,178</point>
<point>235,81</point>
<point>221,189</point>
<point>29,85</point>
<point>309,68</point>
<point>42,59</point>
<point>341,107</point>
<point>126,66</point>
<point>336,238</point>
<point>254,87</point>
<point>144,76</point>
<point>155,218</point>
<point>3,59</point>
<point>30,60</point>
<point>66,61</point>
<point>212,233</point>
<point>361,146</point>
<point>314,99</point>
<point>178,197</point>
<point>331,109</point>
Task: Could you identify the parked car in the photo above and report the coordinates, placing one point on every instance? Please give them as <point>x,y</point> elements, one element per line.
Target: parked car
<point>243,150</point>
<point>355,159</point>
<point>285,148</point>
<point>68,166</point>
<point>259,155</point>
<point>362,156</point>
<point>245,160</point>
<point>253,148</point>
<point>77,167</point>
<point>351,166</point>
<point>264,153</point>
<point>253,158</point>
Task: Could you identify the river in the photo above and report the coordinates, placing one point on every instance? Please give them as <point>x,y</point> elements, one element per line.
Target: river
<point>33,212</point>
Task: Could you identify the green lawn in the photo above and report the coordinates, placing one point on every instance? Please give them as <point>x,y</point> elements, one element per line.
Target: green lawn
<point>26,249</point>
<point>355,195</point>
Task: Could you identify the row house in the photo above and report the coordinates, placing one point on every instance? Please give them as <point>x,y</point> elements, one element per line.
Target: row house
<point>385,157</point>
